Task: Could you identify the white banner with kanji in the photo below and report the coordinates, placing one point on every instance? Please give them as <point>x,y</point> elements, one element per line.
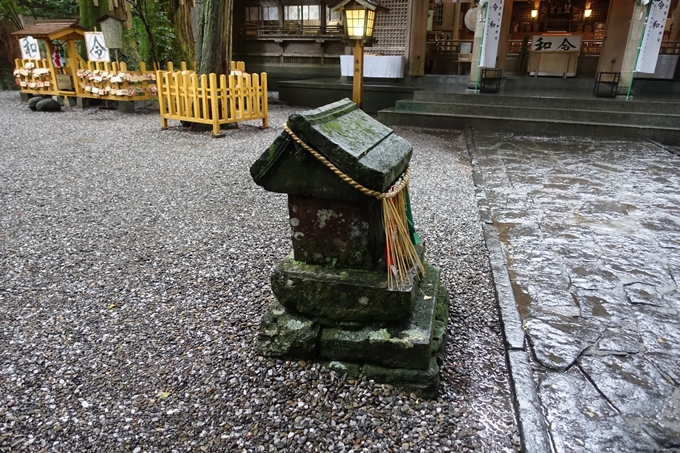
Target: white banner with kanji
<point>29,48</point>
<point>492,33</point>
<point>96,46</point>
<point>653,35</point>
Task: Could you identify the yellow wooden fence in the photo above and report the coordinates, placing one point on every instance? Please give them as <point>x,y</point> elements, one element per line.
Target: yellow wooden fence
<point>185,96</point>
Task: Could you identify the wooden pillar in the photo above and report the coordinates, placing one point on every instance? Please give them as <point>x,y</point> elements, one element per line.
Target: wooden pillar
<point>635,30</point>
<point>456,20</point>
<point>675,31</point>
<point>506,22</point>
<point>49,48</point>
<point>476,43</point>
<point>358,82</point>
<point>418,41</point>
<point>675,34</point>
<point>72,63</point>
<point>616,36</point>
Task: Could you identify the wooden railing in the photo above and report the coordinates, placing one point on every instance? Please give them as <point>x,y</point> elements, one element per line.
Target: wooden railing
<point>670,48</point>
<point>447,54</point>
<point>185,96</point>
<point>254,28</point>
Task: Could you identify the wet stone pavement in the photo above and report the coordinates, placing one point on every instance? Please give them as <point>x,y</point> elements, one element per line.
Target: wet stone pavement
<point>591,236</point>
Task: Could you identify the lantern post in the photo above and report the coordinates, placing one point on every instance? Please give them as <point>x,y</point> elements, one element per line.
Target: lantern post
<point>359,19</point>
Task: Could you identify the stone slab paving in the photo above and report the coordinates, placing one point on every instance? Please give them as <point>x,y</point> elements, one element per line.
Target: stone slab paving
<point>590,232</point>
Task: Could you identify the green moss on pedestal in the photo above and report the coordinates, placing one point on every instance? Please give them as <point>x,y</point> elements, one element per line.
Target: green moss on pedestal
<point>282,334</point>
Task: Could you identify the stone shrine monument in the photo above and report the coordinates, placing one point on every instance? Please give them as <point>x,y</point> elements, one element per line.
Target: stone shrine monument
<point>356,291</point>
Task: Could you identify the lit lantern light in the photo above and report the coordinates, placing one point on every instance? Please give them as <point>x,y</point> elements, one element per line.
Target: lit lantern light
<point>534,13</point>
<point>587,12</point>
<point>360,23</point>
<point>359,18</point>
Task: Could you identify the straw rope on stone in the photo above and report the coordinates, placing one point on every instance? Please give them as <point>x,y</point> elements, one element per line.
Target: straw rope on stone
<point>401,255</point>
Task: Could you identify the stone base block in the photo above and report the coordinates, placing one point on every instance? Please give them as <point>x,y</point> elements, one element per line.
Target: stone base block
<point>406,353</point>
<point>424,383</point>
<point>404,345</point>
<point>340,294</point>
<point>282,334</point>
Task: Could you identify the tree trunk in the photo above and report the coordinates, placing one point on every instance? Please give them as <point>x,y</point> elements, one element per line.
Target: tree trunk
<point>9,50</point>
<point>213,50</point>
<point>89,13</point>
<point>183,47</point>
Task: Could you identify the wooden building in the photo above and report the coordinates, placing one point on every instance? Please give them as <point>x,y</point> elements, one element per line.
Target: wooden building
<point>298,39</point>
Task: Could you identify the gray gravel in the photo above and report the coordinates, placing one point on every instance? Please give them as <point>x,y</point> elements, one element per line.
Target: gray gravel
<point>135,269</point>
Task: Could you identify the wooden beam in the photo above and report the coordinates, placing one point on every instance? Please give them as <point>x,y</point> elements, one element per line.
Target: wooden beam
<point>358,82</point>
<point>616,36</point>
<point>418,41</point>
<point>456,21</point>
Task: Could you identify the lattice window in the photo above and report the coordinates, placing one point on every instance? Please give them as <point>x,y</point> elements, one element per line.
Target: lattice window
<point>301,12</point>
<point>438,14</point>
<point>262,14</point>
<point>391,29</point>
<point>333,17</point>
<point>270,13</point>
<point>254,14</point>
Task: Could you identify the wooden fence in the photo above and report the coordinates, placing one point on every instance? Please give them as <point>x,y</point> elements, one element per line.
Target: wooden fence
<point>95,80</point>
<point>86,79</point>
<point>113,81</point>
<point>185,96</point>
<point>35,77</point>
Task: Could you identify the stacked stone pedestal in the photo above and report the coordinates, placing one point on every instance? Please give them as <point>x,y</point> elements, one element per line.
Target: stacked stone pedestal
<point>333,301</point>
<point>348,318</point>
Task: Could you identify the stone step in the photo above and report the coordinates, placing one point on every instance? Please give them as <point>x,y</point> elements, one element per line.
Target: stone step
<point>509,100</point>
<point>535,126</point>
<point>545,113</point>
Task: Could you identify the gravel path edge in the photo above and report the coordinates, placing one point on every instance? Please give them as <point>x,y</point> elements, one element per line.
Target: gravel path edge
<point>532,425</point>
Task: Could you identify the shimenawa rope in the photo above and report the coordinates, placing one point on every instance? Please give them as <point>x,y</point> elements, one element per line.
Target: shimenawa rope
<point>401,255</point>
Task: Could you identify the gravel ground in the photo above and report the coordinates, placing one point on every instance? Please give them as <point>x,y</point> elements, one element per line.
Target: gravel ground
<point>135,269</point>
